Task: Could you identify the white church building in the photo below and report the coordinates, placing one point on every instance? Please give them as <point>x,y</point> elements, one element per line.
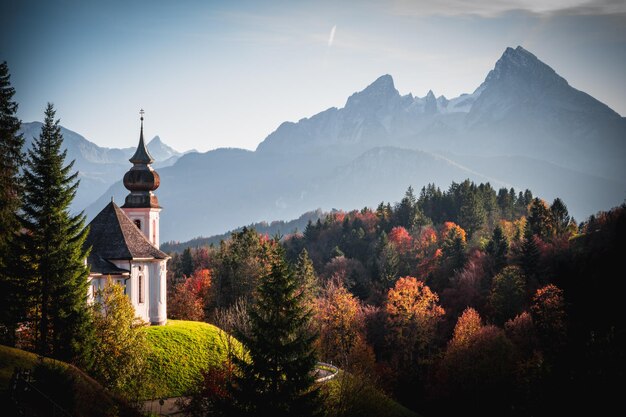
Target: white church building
<point>124,242</point>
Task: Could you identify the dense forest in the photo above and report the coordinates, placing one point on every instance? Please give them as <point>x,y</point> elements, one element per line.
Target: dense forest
<point>463,300</point>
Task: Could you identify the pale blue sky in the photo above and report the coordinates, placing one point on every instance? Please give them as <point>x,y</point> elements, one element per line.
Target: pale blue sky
<point>226,74</point>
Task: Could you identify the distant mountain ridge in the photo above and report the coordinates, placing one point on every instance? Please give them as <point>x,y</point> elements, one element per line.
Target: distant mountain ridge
<point>524,126</point>
<point>98,167</point>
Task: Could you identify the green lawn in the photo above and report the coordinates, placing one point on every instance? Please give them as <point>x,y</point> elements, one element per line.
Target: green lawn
<point>180,351</point>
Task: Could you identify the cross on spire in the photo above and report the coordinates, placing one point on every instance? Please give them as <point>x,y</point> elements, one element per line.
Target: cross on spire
<point>141,113</point>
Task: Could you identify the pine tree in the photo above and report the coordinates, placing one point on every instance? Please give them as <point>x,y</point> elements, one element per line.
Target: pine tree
<point>472,214</point>
<point>53,247</point>
<point>305,275</point>
<point>530,254</point>
<point>498,247</point>
<point>277,378</point>
<point>560,217</point>
<point>407,213</point>
<point>11,159</point>
<point>186,263</point>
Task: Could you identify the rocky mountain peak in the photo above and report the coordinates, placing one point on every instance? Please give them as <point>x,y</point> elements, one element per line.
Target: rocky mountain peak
<point>380,90</point>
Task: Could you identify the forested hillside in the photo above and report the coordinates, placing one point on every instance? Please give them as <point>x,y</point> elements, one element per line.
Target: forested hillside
<point>473,300</point>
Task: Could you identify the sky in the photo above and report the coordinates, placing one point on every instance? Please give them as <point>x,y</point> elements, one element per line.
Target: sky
<point>215,74</point>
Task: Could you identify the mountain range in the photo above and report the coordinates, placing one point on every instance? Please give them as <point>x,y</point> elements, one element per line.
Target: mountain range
<point>98,167</point>
<point>523,127</point>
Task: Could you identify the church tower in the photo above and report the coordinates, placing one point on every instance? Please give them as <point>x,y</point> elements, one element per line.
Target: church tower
<point>141,205</point>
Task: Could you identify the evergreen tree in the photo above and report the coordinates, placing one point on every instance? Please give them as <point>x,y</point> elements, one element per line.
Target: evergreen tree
<point>277,379</point>
<point>186,263</point>
<point>539,219</point>
<point>530,254</point>
<point>305,275</point>
<point>472,214</point>
<point>560,217</point>
<point>387,262</point>
<point>498,247</point>
<point>53,247</point>
<point>407,214</point>
<point>11,159</point>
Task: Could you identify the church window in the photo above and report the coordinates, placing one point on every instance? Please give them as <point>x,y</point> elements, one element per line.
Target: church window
<point>138,223</point>
<point>140,289</point>
<point>154,232</point>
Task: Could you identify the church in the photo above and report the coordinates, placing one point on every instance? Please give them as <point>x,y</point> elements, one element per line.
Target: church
<point>124,242</point>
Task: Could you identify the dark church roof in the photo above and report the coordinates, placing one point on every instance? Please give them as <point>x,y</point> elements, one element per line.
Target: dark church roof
<point>113,236</point>
<point>104,267</point>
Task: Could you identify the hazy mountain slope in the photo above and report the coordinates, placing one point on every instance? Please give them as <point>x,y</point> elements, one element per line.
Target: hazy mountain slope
<point>524,126</point>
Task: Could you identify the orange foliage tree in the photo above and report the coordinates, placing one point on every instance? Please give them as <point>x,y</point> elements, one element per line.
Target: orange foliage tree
<point>468,324</point>
<point>339,319</point>
<point>413,312</point>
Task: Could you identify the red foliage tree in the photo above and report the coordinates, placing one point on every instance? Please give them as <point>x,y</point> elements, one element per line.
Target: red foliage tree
<point>189,297</point>
<point>401,239</point>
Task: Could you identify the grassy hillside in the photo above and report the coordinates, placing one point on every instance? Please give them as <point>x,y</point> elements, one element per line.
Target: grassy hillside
<point>65,384</point>
<point>353,397</point>
<point>181,350</point>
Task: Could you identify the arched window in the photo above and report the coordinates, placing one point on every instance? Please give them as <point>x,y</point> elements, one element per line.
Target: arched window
<point>154,242</point>
<point>138,223</point>
<point>140,289</point>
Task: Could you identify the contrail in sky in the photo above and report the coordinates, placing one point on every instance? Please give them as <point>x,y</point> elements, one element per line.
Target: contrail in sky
<point>331,37</point>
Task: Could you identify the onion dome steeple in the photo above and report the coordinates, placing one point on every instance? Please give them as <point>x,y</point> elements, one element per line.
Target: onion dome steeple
<point>141,179</point>
<point>141,156</point>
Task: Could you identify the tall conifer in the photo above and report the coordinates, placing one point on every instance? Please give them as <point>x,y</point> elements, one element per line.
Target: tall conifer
<point>53,245</point>
<point>11,158</point>
<point>277,379</point>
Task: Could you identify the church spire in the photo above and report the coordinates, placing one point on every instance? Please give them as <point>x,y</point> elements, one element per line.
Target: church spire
<point>141,156</point>
<point>141,179</point>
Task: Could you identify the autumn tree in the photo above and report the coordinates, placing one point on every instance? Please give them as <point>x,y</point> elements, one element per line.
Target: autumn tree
<point>548,312</point>
<point>277,378</point>
<point>477,376</point>
<point>189,297</point>
<point>53,247</point>
<point>12,292</point>
<point>401,239</point>
<point>467,326</point>
<point>521,331</point>
<point>340,322</point>
<point>413,312</point>
<point>120,351</point>
<point>507,294</point>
